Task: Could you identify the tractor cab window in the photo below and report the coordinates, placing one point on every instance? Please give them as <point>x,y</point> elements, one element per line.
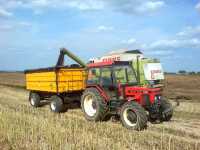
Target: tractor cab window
<point>131,75</point>
<point>106,77</point>
<point>124,74</point>
<point>93,76</point>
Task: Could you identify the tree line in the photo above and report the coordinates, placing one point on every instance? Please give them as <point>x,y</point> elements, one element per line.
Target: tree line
<point>190,73</point>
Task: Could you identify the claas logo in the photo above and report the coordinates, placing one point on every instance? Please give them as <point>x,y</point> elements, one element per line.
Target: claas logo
<point>153,72</point>
<point>111,59</point>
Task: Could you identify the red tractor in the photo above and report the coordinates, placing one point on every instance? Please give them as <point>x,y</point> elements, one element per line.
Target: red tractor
<point>113,90</point>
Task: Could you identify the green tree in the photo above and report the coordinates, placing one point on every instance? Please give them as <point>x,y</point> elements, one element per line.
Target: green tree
<point>182,72</point>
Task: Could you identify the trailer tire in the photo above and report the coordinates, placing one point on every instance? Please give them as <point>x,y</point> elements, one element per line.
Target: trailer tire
<point>93,105</point>
<point>133,116</point>
<point>57,104</point>
<point>34,99</point>
<point>166,110</point>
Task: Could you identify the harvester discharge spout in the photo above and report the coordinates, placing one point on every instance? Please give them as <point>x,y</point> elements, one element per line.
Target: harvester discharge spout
<point>64,51</point>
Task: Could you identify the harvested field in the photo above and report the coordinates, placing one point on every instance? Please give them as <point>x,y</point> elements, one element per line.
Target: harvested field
<point>24,127</point>
<point>13,79</point>
<point>183,86</point>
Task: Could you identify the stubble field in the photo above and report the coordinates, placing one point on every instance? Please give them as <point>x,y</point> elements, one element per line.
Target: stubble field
<point>24,127</point>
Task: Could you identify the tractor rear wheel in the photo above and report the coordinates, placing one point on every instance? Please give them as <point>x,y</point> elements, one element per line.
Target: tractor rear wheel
<point>166,110</point>
<point>133,116</point>
<point>34,99</point>
<point>93,105</point>
<point>57,104</point>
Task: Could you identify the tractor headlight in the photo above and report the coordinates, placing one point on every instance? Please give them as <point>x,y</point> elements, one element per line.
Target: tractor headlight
<point>157,98</point>
<point>151,82</point>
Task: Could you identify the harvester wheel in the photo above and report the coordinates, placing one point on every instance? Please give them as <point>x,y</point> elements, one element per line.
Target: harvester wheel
<point>166,110</point>
<point>133,116</point>
<point>34,99</point>
<point>93,105</point>
<point>57,104</point>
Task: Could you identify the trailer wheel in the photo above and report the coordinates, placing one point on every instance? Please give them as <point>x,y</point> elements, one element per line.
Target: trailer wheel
<point>34,99</point>
<point>133,116</point>
<point>166,110</point>
<point>93,105</point>
<point>57,104</point>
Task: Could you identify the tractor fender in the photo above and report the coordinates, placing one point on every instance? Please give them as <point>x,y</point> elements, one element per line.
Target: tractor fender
<point>101,91</point>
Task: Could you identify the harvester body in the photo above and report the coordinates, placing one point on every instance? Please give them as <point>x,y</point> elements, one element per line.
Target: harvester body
<point>149,71</point>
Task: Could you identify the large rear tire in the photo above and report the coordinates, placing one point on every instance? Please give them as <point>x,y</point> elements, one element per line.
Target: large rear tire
<point>34,99</point>
<point>93,105</point>
<point>166,110</point>
<point>133,116</point>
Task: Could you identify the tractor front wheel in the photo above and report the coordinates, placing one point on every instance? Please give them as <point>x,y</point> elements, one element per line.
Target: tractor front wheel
<point>93,105</point>
<point>166,110</point>
<point>133,116</point>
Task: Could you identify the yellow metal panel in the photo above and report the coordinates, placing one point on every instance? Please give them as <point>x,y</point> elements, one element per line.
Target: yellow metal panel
<point>69,80</point>
<point>42,86</point>
<point>43,76</point>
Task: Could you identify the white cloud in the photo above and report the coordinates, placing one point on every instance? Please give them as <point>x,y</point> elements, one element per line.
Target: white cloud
<point>56,4</point>
<point>86,5</point>
<point>40,3</point>
<point>198,6</point>
<point>5,13</point>
<point>136,6</point>
<point>160,52</point>
<point>9,26</point>
<point>125,6</point>
<point>104,28</point>
<point>164,44</point>
<point>190,32</point>
<point>24,24</point>
<point>189,37</point>
<point>176,43</point>
<point>194,42</point>
<point>6,27</point>
<point>150,6</point>
<point>129,41</point>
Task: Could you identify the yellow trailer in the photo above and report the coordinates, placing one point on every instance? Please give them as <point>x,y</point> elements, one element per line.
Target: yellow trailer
<point>58,84</point>
<point>57,80</point>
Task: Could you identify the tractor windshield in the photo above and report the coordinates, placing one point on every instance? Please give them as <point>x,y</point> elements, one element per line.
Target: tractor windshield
<point>124,75</point>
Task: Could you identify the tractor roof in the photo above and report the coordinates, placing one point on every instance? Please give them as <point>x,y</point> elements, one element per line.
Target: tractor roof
<point>124,51</point>
<point>134,51</point>
<point>109,63</point>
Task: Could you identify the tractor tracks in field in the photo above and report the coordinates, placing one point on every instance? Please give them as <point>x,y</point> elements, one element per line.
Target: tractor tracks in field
<point>181,131</point>
<point>13,85</point>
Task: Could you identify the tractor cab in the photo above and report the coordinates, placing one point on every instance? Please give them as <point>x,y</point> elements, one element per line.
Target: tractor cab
<point>111,76</point>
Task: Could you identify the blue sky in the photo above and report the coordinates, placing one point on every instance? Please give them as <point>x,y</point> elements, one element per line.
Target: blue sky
<point>32,31</point>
